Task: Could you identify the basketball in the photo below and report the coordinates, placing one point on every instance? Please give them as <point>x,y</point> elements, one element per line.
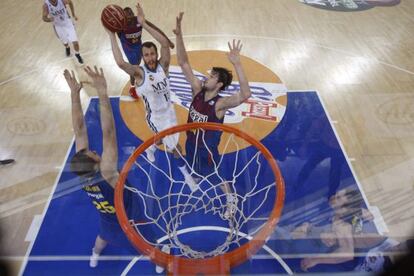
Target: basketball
<point>113,18</point>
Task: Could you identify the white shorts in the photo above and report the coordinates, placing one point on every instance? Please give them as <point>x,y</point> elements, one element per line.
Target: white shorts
<point>66,33</point>
<point>160,123</point>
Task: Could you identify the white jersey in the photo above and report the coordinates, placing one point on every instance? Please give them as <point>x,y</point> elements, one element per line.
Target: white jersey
<point>160,112</point>
<point>155,91</point>
<point>59,13</point>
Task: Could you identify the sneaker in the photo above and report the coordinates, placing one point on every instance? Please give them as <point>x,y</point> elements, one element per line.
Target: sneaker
<point>93,260</point>
<point>166,249</point>
<point>79,58</point>
<point>231,206</point>
<point>191,182</point>
<point>67,49</point>
<point>133,92</point>
<point>6,161</point>
<point>150,153</point>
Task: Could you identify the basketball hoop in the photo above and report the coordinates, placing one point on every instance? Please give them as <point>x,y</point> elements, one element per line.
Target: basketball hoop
<point>231,253</point>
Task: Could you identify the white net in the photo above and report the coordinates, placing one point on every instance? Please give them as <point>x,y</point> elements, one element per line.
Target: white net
<point>233,197</point>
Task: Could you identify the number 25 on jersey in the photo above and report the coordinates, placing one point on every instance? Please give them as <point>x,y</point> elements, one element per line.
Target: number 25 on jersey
<point>104,207</point>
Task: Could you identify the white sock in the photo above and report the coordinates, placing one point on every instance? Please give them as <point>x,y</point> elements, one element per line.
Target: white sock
<point>231,198</point>
<point>93,261</point>
<point>165,249</point>
<point>184,171</point>
<point>151,149</point>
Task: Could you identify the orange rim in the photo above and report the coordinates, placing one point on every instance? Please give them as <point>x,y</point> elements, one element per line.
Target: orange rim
<point>213,265</point>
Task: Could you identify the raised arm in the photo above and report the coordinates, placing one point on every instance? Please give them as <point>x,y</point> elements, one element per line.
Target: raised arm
<point>170,43</point>
<point>132,70</point>
<point>78,120</point>
<point>109,162</point>
<point>45,14</point>
<point>244,93</point>
<point>182,58</point>
<point>72,8</point>
<point>162,39</point>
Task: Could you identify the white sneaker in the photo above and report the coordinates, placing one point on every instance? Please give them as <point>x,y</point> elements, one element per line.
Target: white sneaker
<point>150,154</point>
<point>191,182</point>
<point>231,206</point>
<point>93,260</point>
<point>166,249</point>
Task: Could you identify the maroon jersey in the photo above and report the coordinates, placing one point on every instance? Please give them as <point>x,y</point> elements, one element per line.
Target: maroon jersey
<point>201,112</point>
<point>131,36</point>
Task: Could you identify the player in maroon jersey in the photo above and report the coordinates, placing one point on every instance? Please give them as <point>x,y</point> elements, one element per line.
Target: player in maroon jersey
<point>207,104</point>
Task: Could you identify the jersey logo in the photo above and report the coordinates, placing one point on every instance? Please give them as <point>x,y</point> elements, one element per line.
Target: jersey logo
<point>160,86</point>
<point>211,102</point>
<point>151,77</point>
<point>197,116</point>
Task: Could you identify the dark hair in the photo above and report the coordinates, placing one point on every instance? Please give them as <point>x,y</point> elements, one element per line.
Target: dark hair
<point>129,13</point>
<point>82,164</point>
<point>149,44</point>
<point>224,76</point>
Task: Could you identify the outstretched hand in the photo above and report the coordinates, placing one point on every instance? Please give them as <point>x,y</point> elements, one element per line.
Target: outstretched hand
<point>234,54</point>
<point>98,78</point>
<point>74,85</point>
<point>140,14</point>
<point>179,18</point>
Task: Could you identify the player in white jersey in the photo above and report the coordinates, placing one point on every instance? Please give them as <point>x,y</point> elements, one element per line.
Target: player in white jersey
<point>55,11</point>
<point>154,88</point>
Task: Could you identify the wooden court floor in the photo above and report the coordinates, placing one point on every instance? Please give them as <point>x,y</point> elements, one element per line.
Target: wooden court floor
<point>361,63</point>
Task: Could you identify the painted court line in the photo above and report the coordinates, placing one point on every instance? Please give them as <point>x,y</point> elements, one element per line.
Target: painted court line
<point>34,228</point>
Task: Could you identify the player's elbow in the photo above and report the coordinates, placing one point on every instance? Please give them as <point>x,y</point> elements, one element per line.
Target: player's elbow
<point>246,93</point>
<point>122,64</point>
<point>182,61</point>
